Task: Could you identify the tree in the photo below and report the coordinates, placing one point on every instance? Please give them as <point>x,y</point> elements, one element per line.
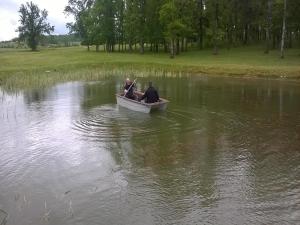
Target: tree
<point>82,26</point>
<point>200,18</point>
<point>168,17</point>
<point>178,23</point>
<point>187,16</point>
<point>173,25</point>
<point>104,21</point>
<point>119,23</point>
<point>215,28</point>
<point>269,24</point>
<point>130,21</point>
<point>283,30</point>
<point>154,32</point>
<point>33,24</point>
<point>140,25</point>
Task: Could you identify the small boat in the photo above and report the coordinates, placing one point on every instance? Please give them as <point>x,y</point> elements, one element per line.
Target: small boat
<point>141,106</point>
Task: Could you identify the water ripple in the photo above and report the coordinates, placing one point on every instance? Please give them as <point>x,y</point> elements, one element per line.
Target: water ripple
<point>108,123</point>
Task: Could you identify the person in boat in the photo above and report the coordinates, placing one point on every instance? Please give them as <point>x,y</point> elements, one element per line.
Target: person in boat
<point>128,89</point>
<point>151,95</point>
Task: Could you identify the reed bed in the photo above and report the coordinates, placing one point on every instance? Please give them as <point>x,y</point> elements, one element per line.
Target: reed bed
<point>22,69</point>
<point>29,80</point>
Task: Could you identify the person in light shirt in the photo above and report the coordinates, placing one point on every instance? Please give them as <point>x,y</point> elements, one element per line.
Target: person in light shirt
<point>128,89</point>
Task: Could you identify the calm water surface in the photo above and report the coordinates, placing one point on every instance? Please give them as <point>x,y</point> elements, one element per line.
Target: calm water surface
<point>227,151</point>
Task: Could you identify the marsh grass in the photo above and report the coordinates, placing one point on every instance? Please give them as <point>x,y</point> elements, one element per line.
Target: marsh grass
<point>3,217</point>
<point>22,69</point>
<point>29,80</point>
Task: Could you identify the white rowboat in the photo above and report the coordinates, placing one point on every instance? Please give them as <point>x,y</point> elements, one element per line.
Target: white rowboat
<point>141,106</point>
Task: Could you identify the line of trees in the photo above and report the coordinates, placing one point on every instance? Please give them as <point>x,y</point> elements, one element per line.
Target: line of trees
<point>173,25</point>
<point>53,41</point>
<point>67,40</point>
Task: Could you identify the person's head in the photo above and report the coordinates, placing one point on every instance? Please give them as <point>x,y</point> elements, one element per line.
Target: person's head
<point>127,80</point>
<point>150,84</point>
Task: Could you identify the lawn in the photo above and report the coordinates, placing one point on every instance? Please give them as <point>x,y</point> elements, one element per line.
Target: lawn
<point>247,61</point>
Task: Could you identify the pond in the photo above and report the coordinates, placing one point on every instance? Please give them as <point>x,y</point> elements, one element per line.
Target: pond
<point>226,151</point>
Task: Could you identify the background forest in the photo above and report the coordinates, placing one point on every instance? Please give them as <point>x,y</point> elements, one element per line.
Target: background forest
<point>177,25</point>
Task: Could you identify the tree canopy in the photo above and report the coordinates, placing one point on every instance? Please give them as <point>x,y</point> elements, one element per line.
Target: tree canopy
<point>33,24</point>
<point>177,25</point>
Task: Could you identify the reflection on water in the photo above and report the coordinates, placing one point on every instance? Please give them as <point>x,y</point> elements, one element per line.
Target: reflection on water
<point>225,152</point>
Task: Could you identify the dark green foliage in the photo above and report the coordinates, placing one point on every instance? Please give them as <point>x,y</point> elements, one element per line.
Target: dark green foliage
<point>175,25</point>
<point>33,24</point>
<point>61,40</point>
<point>81,10</point>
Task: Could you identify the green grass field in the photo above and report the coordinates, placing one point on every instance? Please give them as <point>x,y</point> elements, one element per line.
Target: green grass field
<point>76,63</point>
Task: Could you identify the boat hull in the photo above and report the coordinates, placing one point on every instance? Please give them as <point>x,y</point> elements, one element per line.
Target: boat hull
<point>141,106</point>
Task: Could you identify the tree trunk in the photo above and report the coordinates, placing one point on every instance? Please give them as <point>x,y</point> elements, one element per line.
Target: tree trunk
<point>97,48</point>
<point>215,34</point>
<point>267,41</point>
<point>259,34</point>
<point>235,22</point>
<point>172,45</point>
<point>290,39</point>
<point>274,41</point>
<point>228,37</point>
<point>112,47</point>
<point>130,46</point>
<point>200,25</point>
<point>165,46</point>
<point>246,30</point>
<point>230,30</point>
<point>186,44</point>
<point>268,28</point>
<point>177,49</point>
<point>283,30</point>
<point>142,48</point>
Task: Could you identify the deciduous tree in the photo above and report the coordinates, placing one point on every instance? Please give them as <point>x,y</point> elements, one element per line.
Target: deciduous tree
<point>33,24</point>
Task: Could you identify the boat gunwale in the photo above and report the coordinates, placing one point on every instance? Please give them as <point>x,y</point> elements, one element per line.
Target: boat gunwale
<point>162,100</point>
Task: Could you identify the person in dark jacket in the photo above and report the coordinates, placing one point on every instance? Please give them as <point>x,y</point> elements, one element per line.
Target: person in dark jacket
<point>128,89</point>
<point>150,95</point>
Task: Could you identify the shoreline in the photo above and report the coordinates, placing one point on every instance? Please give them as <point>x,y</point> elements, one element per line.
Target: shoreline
<point>25,68</point>
<point>39,79</point>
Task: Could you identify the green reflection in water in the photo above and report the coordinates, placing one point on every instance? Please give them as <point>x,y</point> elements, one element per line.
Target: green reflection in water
<point>226,151</point>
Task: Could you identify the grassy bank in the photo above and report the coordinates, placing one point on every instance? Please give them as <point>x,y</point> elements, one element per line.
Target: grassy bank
<point>77,63</point>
